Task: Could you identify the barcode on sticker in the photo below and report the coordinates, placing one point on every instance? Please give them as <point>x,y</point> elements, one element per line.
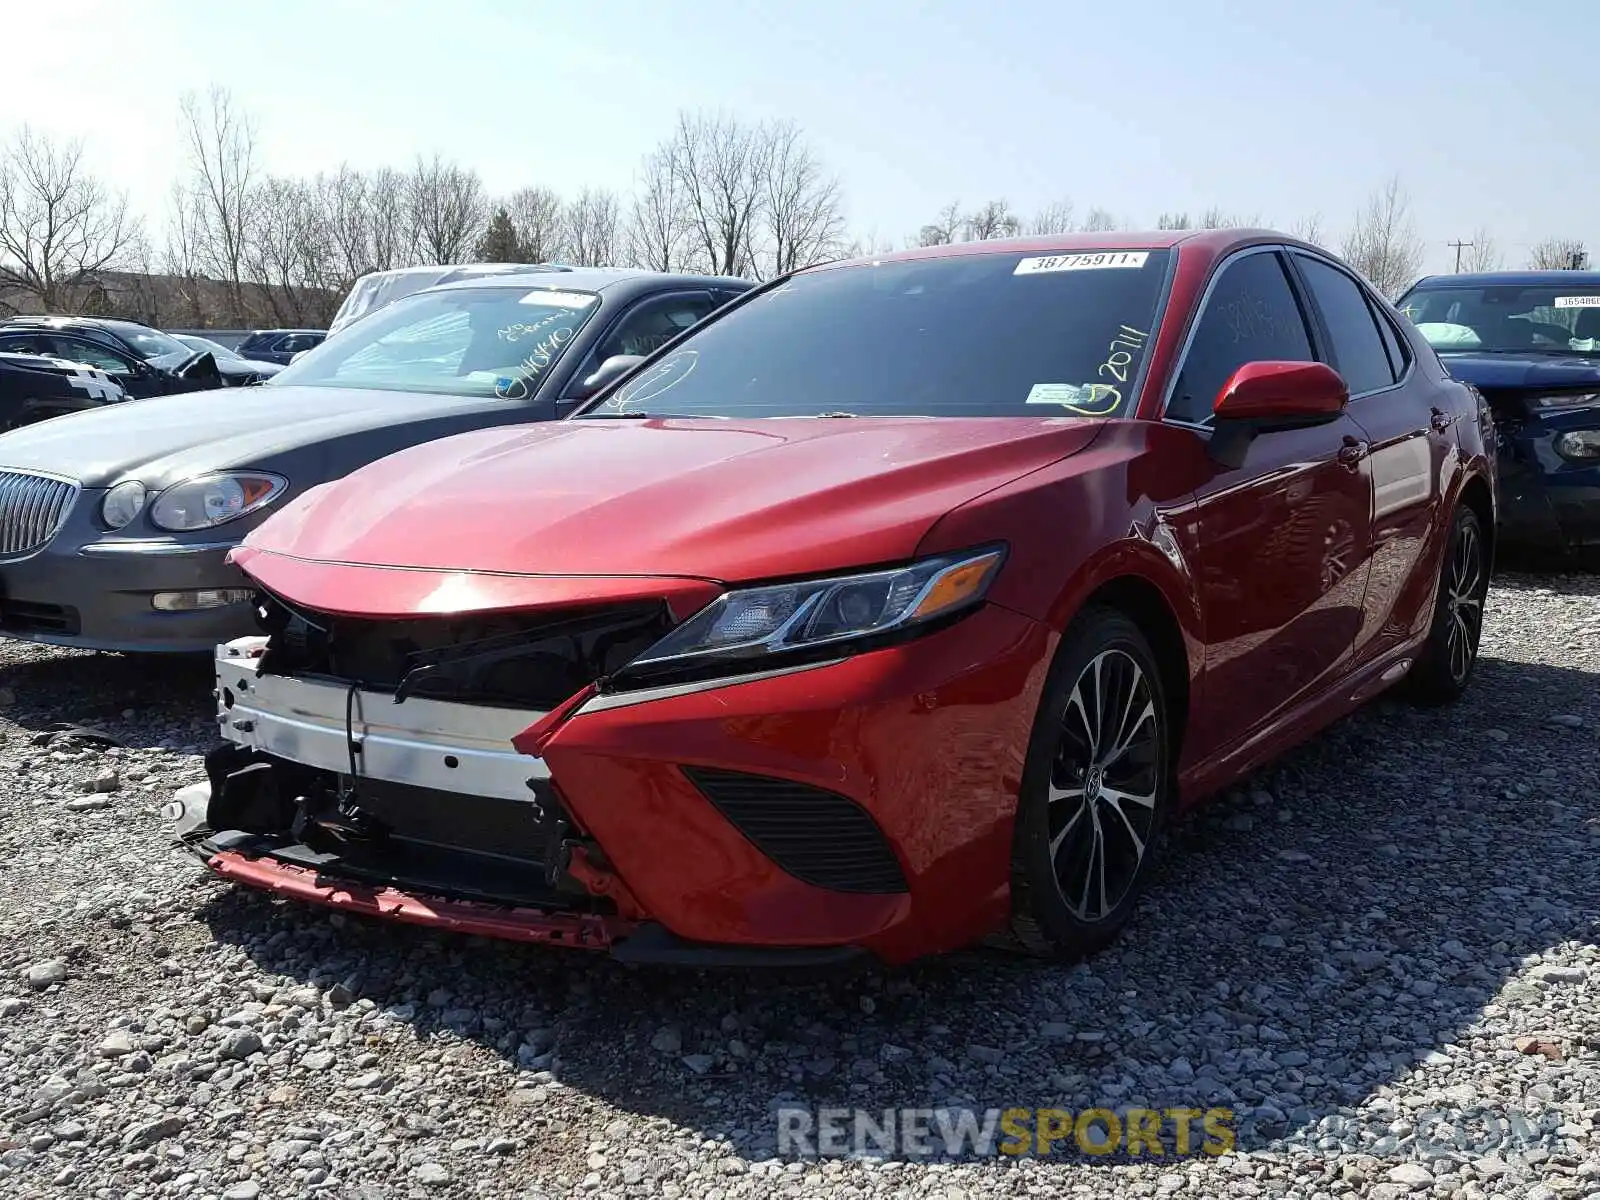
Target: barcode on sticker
<point>1099,261</point>
<point>1578,301</point>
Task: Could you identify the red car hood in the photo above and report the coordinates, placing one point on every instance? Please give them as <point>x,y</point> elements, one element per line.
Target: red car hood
<point>713,499</point>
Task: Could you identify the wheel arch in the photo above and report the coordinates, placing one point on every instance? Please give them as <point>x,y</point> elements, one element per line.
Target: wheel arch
<point>1479,497</point>
<point>1140,599</point>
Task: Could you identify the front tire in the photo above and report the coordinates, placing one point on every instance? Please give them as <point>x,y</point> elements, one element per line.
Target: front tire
<point>1095,790</point>
<point>1444,667</point>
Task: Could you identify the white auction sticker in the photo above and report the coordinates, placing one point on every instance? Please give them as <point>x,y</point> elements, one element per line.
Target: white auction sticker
<point>557,299</point>
<point>1098,261</point>
<point>1578,301</point>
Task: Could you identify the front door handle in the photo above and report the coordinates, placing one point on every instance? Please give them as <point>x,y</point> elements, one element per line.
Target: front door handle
<point>1440,421</point>
<point>1352,452</point>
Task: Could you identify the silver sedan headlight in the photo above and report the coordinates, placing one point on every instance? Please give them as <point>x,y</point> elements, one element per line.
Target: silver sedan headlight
<point>210,500</point>
<point>123,503</point>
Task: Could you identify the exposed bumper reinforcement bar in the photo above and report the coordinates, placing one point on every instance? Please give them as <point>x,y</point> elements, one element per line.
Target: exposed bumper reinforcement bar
<point>584,931</point>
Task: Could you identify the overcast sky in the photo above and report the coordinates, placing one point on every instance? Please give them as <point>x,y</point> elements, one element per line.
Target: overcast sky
<point>1271,109</point>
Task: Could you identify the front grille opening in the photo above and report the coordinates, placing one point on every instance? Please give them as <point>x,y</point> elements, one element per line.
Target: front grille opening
<point>33,508</point>
<point>514,660</point>
<point>459,847</point>
<point>23,616</point>
<point>819,837</point>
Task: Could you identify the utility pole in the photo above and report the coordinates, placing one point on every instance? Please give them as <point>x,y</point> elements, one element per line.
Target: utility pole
<point>1458,248</point>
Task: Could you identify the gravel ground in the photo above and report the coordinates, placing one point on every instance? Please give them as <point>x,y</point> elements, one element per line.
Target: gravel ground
<point>1397,922</point>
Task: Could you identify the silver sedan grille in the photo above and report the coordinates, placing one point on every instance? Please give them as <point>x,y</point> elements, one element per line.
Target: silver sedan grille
<point>32,510</point>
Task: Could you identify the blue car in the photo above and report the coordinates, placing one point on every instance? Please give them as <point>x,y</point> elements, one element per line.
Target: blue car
<point>1530,342</point>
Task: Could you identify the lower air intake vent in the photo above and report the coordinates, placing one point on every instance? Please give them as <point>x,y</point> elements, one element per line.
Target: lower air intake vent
<point>819,837</point>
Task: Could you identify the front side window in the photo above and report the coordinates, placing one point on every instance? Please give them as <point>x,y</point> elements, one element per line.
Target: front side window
<point>297,342</point>
<point>966,335</point>
<point>1251,315</point>
<point>494,342</point>
<point>92,355</point>
<point>1507,318</point>
<point>150,344</point>
<point>1358,348</point>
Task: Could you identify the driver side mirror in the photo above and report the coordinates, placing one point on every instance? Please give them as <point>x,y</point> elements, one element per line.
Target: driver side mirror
<point>1270,397</point>
<point>609,371</point>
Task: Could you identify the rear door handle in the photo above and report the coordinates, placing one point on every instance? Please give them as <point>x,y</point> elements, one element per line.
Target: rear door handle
<point>1352,452</point>
<point>1441,420</point>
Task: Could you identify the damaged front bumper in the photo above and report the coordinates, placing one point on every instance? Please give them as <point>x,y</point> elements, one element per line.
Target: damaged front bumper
<point>422,812</point>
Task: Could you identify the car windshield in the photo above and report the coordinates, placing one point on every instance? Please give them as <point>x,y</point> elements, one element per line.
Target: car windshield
<point>151,344</point>
<point>490,341</point>
<point>1507,318</point>
<point>965,335</point>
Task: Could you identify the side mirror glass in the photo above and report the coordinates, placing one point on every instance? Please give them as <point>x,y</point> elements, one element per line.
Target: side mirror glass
<point>1269,397</point>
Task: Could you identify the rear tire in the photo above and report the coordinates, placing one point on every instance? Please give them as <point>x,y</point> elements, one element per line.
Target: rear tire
<point>1444,666</point>
<point>1095,790</point>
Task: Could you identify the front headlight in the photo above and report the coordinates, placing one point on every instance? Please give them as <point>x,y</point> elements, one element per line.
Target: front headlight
<point>1582,445</point>
<point>122,503</point>
<point>1567,400</point>
<point>209,500</point>
<point>754,626</point>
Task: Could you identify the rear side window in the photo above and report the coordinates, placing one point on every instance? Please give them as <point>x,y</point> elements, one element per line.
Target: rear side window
<point>1251,315</point>
<point>1358,348</point>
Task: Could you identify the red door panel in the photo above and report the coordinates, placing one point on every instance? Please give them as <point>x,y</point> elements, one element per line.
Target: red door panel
<point>1285,550</point>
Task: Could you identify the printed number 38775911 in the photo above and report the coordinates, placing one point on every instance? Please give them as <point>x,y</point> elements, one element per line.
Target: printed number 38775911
<point>1128,342</point>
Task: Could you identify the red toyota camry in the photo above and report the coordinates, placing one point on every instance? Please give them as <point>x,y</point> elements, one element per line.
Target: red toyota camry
<point>895,608</point>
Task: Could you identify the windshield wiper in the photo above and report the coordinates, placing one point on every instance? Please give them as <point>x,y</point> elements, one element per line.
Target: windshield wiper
<point>838,414</point>
<point>616,416</point>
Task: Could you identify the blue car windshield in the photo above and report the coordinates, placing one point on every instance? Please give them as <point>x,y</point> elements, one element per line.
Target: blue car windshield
<point>1547,318</point>
<point>494,342</point>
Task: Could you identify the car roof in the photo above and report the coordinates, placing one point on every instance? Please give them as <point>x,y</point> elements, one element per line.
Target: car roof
<point>1215,242</point>
<point>286,329</point>
<point>1556,277</point>
<point>595,279</point>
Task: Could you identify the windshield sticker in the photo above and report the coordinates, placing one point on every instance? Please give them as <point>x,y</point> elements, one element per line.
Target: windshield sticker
<point>1128,342</point>
<point>1578,301</point>
<point>667,373</point>
<point>1087,399</point>
<point>557,299</point>
<point>1106,260</point>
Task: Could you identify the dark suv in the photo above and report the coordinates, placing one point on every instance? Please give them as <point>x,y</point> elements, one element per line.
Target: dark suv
<point>279,345</point>
<point>144,362</point>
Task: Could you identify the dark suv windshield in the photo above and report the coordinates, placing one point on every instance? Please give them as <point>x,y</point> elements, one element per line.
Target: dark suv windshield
<point>969,335</point>
<point>1507,318</point>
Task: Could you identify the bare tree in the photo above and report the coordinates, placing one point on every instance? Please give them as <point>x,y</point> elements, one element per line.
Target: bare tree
<point>537,214</point>
<point>1309,229</point>
<point>945,228</point>
<point>1484,253</point>
<point>656,227</point>
<point>59,226</point>
<point>1052,218</point>
<point>181,255</point>
<point>719,166</point>
<point>1383,244</point>
<point>1559,254</point>
<point>290,256</point>
<point>993,219</point>
<point>1216,218</point>
<point>801,219</point>
<point>1099,221</point>
<point>591,225</point>
<point>1174,221</point>
<point>220,144</point>
<point>345,206</point>
<point>391,223</point>
<point>448,210</point>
